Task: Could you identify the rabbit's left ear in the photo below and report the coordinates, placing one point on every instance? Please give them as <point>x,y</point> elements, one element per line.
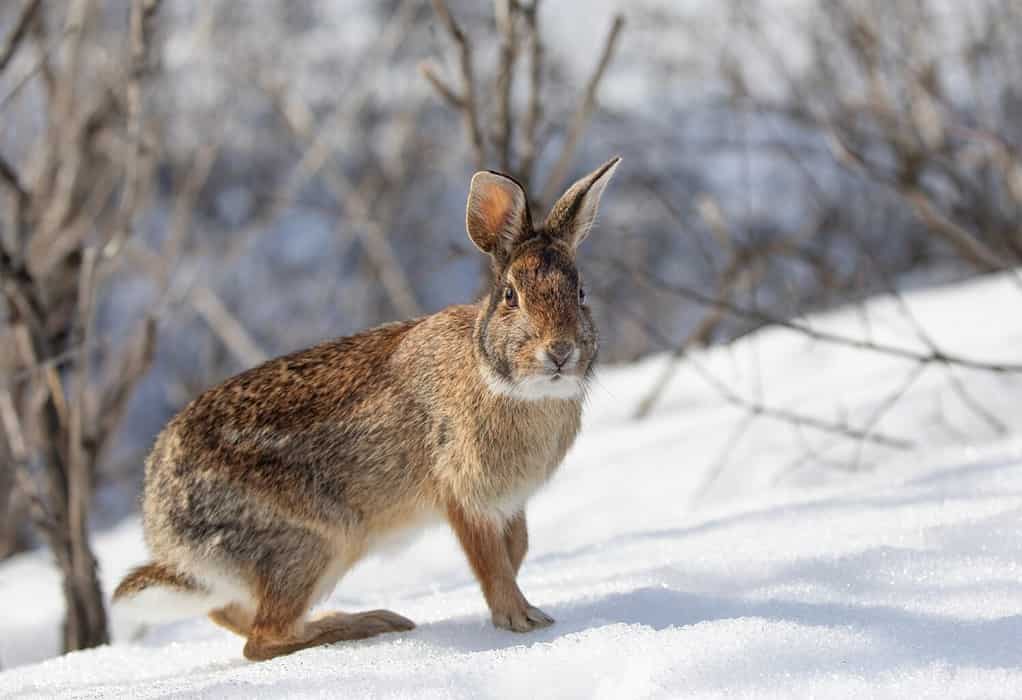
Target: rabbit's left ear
<point>572,216</point>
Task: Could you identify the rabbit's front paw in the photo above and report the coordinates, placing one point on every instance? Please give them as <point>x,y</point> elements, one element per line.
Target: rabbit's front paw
<point>524,619</point>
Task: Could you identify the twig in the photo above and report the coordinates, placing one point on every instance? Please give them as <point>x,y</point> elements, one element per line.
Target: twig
<point>467,100</point>
<point>582,114</point>
<point>995,424</point>
<point>140,30</point>
<point>700,335</point>
<point>17,35</point>
<point>11,179</point>
<point>887,404</point>
<point>41,515</point>
<point>378,247</point>
<point>443,89</point>
<point>227,327</point>
<point>357,91</point>
<point>823,336</point>
<point>716,469</point>
<point>533,109</point>
<point>505,14</point>
<point>15,435</point>
<point>968,246</point>
<point>758,406</point>
<point>132,364</point>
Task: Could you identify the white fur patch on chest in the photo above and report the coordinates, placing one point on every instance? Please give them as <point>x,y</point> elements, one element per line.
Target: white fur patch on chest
<point>534,388</point>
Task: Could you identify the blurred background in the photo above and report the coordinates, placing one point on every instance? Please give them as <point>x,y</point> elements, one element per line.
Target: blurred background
<point>188,188</point>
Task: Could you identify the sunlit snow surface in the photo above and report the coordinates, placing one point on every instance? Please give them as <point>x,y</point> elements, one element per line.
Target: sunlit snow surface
<point>681,555</point>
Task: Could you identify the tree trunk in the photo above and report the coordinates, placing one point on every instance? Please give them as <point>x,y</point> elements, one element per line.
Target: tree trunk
<point>85,623</point>
<point>7,535</point>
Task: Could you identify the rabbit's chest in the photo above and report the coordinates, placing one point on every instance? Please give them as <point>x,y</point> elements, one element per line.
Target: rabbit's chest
<point>502,464</point>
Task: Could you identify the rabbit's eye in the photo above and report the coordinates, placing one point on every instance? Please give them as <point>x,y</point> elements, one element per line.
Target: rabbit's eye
<point>510,298</point>
<point>581,295</point>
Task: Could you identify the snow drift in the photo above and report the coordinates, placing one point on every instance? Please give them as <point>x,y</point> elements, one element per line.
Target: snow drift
<point>696,552</point>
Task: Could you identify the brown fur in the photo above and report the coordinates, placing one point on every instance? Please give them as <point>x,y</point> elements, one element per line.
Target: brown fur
<point>233,617</point>
<point>517,540</point>
<point>273,484</point>
<point>141,577</point>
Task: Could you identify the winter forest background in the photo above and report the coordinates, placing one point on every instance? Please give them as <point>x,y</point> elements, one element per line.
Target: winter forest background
<point>188,188</point>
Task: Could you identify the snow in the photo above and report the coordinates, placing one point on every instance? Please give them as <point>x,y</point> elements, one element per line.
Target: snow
<point>680,555</point>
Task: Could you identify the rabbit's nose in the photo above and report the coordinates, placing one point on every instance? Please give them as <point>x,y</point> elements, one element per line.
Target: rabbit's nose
<point>559,351</point>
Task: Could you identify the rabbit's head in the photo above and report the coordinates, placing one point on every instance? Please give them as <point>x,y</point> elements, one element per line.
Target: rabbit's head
<point>536,338</point>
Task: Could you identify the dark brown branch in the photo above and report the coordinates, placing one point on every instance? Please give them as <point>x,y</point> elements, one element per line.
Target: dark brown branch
<point>13,182</point>
<point>757,407</point>
<point>505,14</point>
<point>18,34</point>
<point>932,357</point>
<point>533,109</point>
<point>968,246</point>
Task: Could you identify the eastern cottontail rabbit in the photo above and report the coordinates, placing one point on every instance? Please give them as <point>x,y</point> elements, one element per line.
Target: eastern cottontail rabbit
<point>264,490</point>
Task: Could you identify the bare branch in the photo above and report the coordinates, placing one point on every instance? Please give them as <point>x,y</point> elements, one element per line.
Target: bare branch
<point>505,14</point>
<point>227,327</point>
<point>15,435</point>
<point>758,407</point>
<point>140,38</point>
<point>18,34</point>
<point>934,356</point>
<point>13,182</point>
<point>469,106</point>
<point>443,89</point>
<point>533,109</point>
<point>582,114</point>
<point>967,245</point>
<point>377,245</point>
<point>132,364</point>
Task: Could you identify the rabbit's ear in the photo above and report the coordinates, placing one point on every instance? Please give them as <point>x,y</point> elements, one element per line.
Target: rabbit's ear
<point>497,214</point>
<point>572,216</point>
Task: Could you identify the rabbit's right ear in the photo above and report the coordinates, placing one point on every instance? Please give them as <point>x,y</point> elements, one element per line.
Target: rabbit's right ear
<point>497,214</point>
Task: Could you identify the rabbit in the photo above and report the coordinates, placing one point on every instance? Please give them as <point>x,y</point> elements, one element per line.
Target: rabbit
<point>263,491</point>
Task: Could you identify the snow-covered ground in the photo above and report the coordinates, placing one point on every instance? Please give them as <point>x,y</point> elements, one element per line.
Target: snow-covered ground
<point>689,554</point>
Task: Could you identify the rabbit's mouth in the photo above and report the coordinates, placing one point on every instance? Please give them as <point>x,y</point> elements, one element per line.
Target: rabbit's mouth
<point>562,374</point>
<point>554,385</point>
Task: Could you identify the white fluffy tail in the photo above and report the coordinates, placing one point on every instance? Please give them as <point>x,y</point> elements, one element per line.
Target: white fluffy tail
<point>158,593</point>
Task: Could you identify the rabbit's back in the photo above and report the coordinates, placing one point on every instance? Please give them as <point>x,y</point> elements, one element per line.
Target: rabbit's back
<point>313,438</point>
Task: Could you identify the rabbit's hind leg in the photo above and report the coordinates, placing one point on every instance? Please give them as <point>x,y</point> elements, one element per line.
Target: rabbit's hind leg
<point>275,632</point>
<point>286,591</point>
<point>267,639</point>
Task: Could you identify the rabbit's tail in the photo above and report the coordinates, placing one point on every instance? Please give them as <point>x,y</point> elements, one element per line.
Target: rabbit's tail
<point>157,592</point>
